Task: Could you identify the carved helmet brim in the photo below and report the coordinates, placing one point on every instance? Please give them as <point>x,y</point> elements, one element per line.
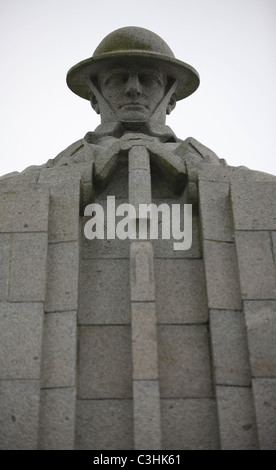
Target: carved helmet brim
<point>128,45</point>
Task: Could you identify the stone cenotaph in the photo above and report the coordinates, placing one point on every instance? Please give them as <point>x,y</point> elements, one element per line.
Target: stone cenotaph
<point>137,277</point>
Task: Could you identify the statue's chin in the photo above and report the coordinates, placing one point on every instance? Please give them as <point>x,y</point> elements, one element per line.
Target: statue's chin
<point>132,113</point>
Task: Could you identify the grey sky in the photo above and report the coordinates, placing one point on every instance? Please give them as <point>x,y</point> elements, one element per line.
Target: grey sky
<point>231,43</point>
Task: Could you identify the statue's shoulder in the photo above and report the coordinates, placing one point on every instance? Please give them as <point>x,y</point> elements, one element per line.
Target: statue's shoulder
<point>74,153</point>
<point>201,160</point>
<point>193,150</point>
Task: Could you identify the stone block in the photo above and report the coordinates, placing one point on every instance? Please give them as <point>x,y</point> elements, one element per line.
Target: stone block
<point>144,341</point>
<point>104,292</point>
<point>23,207</point>
<point>103,249</point>
<point>28,267</point>
<point>189,424</point>
<point>87,195</point>
<point>210,172</point>
<point>229,348</point>
<point>68,173</point>
<point>59,350</point>
<point>180,291</point>
<point>256,268</point>
<point>105,362</point>
<point>104,425</point>
<point>236,418</point>
<point>19,414</point>
<point>273,235</point>
<point>264,391</point>
<point>64,212</point>
<point>107,247</point>
<point>146,414</point>
<point>254,205</point>
<point>62,277</point>
<point>216,216</point>
<point>160,187</point>
<point>139,182</point>
<point>239,174</point>
<point>57,419</point>
<point>223,288</point>
<point>163,248</point>
<point>118,185</point>
<point>4,264</point>
<point>141,272</point>
<point>184,361</point>
<point>261,332</point>
<point>20,340</point>
<point>28,176</point>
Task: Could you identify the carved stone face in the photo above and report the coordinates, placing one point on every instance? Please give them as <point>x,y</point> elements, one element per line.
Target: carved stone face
<point>132,94</point>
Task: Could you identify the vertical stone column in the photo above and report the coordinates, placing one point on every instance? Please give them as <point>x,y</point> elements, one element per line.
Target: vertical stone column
<point>59,347</point>
<point>231,370</point>
<point>146,397</point>
<point>23,254</point>
<point>253,205</point>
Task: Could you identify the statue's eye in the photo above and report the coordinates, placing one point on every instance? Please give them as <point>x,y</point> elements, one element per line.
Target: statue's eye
<point>148,79</point>
<point>117,79</point>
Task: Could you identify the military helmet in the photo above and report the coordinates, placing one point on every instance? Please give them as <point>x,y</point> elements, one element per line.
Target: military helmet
<point>125,45</point>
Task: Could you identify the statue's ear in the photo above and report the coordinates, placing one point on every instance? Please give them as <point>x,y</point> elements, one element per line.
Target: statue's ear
<point>94,102</point>
<point>171,104</point>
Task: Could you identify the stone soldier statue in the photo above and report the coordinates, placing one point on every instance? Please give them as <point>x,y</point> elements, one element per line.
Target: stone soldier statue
<point>131,344</point>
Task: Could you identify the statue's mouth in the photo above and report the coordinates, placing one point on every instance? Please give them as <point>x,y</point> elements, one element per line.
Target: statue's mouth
<point>134,106</point>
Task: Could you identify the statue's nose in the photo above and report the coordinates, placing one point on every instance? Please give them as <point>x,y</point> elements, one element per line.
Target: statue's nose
<point>133,86</point>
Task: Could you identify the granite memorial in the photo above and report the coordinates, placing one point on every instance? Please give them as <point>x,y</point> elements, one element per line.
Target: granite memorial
<point>117,342</point>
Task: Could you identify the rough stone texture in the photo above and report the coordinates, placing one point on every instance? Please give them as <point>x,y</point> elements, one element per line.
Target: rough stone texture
<point>223,289</point>
<point>62,277</point>
<point>139,176</point>
<point>117,248</point>
<point>4,264</point>
<point>236,418</point>
<point>215,209</point>
<point>104,292</point>
<point>144,341</point>
<point>20,340</point>
<point>104,425</point>
<point>273,235</point>
<point>64,212</point>
<point>104,249</point>
<point>184,363</point>
<point>163,248</point>
<point>146,412</point>
<point>67,173</point>
<point>256,268</point>
<point>28,267</point>
<point>180,291</point>
<point>161,188</point>
<point>19,414</point>
<point>189,424</point>
<point>57,419</point>
<point>118,185</point>
<point>142,271</point>
<point>254,204</point>
<point>23,207</point>
<point>264,391</point>
<point>59,350</point>
<point>210,172</point>
<point>105,362</point>
<point>229,348</point>
<point>261,332</point>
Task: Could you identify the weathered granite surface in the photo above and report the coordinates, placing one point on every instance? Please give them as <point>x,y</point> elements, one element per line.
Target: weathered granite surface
<point>120,344</point>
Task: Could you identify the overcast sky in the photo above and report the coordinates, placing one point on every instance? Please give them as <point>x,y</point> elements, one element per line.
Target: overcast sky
<point>231,43</point>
